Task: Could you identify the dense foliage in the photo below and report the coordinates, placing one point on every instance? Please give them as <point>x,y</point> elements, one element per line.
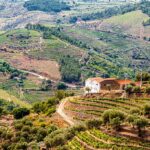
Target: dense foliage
<point>145,7</point>
<point>25,135</point>
<point>48,107</point>
<point>70,69</point>
<point>20,112</point>
<point>6,107</point>
<point>105,14</point>
<point>6,68</point>
<point>46,5</point>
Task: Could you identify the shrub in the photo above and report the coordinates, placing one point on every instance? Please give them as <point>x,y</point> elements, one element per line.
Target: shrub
<point>146,109</point>
<point>25,129</point>
<point>79,128</point>
<point>52,128</point>
<point>46,85</point>
<point>60,94</point>
<point>131,119</point>
<point>20,112</point>
<point>135,111</point>
<point>109,115</point>
<point>140,123</point>
<point>61,86</point>
<point>1,111</point>
<point>115,123</point>
<point>21,145</point>
<point>147,90</point>
<point>41,134</point>
<point>93,124</point>
<point>56,141</point>
<point>129,89</point>
<point>137,89</point>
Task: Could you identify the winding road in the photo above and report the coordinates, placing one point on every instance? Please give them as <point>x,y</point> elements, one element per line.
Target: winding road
<point>60,111</point>
<point>45,78</point>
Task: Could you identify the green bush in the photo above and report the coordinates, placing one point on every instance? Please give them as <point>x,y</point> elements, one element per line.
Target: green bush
<point>21,146</point>
<point>93,124</point>
<point>20,112</point>
<point>135,111</point>
<point>129,89</point>
<point>137,89</point>
<point>147,90</point>
<point>140,123</point>
<point>46,5</point>
<point>61,86</point>
<point>56,141</point>
<point>113,117</point>
<point>146,109</point>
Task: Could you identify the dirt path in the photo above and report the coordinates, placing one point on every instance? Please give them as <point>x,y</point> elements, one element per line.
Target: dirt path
<point>60,111</point>
<point>45,78</point>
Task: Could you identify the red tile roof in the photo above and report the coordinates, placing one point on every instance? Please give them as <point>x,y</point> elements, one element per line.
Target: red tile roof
<point>99,79</point>
<point>123,82</point>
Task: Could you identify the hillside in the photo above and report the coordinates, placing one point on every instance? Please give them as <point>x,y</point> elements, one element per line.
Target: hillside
<point>130,23</point>
<point>74,75</point>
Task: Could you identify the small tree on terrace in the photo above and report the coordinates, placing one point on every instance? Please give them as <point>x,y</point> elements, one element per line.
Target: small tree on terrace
<point>147,90</point>
<point>131,119</point>
<point>20,112</point>
<point>137,89</point>
<point>146,110</point>
<point>87,89</point>
<point>129,89</point>
<point>113,117</point>
<point>46,85</point>
<point>93,123</point>
<point>140,123</point>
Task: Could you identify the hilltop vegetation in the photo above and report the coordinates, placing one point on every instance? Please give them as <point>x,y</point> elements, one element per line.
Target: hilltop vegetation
<point>145,7</point>
<point>106,13</point>
<point>116,10</point>
<point>46,5</point>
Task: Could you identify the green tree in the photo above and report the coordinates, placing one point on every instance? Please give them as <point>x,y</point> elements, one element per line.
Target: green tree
<point>46,85</point>
<point>1,111</point>
<point>113,117</point>
<point>146,110</point>
<point>140,123</point>
<point>61,86</point>
<point>20,112</point>
<point>93,124</point>
<point>129,89</point>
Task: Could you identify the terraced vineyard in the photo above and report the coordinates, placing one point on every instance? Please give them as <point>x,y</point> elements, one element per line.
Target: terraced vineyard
<point>84,109</point>
<point>87,108</point>
<point>95,139</point>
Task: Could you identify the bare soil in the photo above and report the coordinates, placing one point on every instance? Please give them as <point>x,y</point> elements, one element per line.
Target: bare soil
<point>48,68</point>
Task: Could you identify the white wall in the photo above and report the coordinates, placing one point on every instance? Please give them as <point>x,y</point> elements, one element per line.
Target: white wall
<point>93,85</point>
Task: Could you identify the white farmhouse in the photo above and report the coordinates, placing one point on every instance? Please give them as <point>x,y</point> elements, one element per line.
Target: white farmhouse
<point>92,85</point>
<point>95,85</point>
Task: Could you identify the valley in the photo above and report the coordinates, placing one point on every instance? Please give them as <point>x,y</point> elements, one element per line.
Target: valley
<point>74,75</point>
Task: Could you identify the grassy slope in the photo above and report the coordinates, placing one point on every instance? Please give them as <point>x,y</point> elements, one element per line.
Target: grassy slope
<point>56,48</point>
<point>4,95</point>
<point>130,22</point>
<point>115,46</point>
<point>5,37</point>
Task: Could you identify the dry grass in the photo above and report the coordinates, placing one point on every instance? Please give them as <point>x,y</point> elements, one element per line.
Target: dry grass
<point>6,96</point>
<point>130,23</point>
<point>48,68</point>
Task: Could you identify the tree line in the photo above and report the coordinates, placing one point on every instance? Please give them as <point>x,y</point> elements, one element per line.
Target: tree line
<point>113,11</point>
<point>46,5</point>
<point>105,14</point>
